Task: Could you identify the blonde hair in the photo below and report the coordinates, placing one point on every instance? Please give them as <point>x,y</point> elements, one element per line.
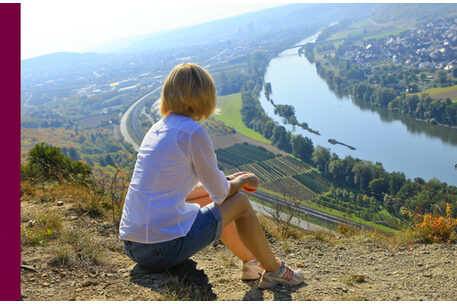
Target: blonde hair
<point>188,90</point>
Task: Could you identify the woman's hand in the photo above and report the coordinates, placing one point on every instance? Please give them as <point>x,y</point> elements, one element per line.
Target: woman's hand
<point>250,182</point>
<point>235,175</point>
<point>245,181</point>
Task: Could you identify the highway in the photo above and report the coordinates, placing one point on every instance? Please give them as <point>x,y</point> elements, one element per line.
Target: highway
<point>135,110</point>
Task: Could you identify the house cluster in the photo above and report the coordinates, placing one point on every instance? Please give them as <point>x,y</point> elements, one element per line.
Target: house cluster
<point>432,45</point>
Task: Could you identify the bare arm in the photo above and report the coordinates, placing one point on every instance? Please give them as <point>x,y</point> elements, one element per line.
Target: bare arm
<point>237,181</point>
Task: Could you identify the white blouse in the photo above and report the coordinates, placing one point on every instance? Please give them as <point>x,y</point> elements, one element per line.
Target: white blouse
<point>174,156</point>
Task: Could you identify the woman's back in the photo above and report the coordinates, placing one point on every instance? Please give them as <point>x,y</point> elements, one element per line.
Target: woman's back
<point>155,209</point>
<point>175,154</point>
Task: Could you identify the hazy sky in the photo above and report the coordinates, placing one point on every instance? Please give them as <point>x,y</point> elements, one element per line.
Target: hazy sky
<point>49,26</point>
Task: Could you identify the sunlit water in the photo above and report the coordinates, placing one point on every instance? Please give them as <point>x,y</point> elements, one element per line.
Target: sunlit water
<point>399,143</point>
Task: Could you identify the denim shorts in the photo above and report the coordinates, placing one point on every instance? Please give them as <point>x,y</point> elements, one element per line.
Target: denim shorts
<point>158,257</point>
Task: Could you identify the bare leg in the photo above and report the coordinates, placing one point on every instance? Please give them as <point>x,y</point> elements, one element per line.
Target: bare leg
<point>229,235</point>
<point>238,209</point>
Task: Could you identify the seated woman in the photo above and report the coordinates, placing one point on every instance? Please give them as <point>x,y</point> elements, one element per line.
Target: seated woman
<point>178,201</point>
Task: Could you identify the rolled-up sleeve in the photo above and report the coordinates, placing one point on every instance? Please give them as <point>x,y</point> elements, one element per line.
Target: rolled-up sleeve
<point>205,165</point>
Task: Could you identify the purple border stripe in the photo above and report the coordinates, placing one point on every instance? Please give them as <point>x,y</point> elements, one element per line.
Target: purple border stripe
<point>10,274</point>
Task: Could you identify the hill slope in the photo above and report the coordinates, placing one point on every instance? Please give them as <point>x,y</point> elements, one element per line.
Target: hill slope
<point>350,266</point>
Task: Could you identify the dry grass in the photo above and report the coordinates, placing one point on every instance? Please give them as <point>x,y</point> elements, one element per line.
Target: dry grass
<point>44,225</point>
<point>86,247</point>
<point>62,256</point>
<point>343,235</point>
<point>276,229</point>
<point>27,189</point>
<point>354,278</point>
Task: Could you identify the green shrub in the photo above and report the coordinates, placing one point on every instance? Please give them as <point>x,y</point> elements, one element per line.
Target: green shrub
<point>48,163</point>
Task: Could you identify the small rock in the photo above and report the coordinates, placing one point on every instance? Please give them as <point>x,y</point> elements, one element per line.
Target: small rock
<point>63,274</point>
<point>30,223</point>
<point>88,283</point>
<point>45,284</point>
<point>126,274</point>
<point>44,275</point>
<point>333,279</point>
<point>428,275</point>
<point>60,203</point>
<point>73,218</point>
<point>28,268</point>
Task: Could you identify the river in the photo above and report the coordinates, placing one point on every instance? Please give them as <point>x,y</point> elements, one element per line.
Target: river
<point>398,142</point>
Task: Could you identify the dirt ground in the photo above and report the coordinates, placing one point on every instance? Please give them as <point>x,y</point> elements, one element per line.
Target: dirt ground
<point>337,270</point>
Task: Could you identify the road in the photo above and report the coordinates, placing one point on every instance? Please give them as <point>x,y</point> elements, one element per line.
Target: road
<point>294,221</point>
<point>327,218</point>
<point>135,110</point>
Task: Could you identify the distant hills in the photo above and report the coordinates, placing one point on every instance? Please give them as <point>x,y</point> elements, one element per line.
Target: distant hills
<point>117,56</point>
<point>412,12</point>
<point>272,18</point>
<point>264,20</point>
<point>118,52</point>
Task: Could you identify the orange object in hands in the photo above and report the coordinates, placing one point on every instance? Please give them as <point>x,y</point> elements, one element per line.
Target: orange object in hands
<point>249,189</point>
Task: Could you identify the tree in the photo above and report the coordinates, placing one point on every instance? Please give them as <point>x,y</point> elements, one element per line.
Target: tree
<point>396,180</point>
<point>53,165</point>
<point>281,138</point>
<point>268,129</point>
<point>379,186</point>
<point>336,169</point>
<point>268,91</point>
<point>441,77</point>
<point>362,175</point>
<point>73,154</point>
<point>321,157</point>
<point>422,76</point>
<point>302,147</point>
